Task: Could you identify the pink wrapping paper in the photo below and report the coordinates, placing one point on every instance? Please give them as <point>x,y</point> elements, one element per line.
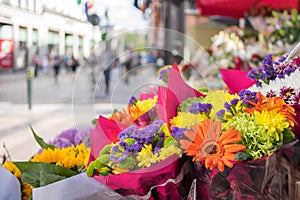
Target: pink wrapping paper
<point>236,80</point>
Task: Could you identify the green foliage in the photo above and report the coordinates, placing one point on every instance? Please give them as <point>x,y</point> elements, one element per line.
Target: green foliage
<point>39,174</point>
<point>96,164</point>
<point>94,121</point>
<point>41,141</point>
<point>170,141</point>
<point>128,163</point>
<point>289,27</point>
<point>288,135</point>
<point>242,156</point>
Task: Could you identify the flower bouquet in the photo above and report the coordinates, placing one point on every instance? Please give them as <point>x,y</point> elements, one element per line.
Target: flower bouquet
<point>133,151</point>
<point>64,157</point>
<point>275,81</point>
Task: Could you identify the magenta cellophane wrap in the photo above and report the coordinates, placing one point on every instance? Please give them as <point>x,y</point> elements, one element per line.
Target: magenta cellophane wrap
<point>271,177</point>
<point>168,179</point>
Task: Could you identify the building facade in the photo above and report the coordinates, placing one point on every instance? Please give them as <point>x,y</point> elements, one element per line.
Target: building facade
<point>45,27</point>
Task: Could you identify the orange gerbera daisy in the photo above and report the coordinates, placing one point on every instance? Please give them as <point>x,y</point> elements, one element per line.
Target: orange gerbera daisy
<point>269,104</point>
<point>207,143</point>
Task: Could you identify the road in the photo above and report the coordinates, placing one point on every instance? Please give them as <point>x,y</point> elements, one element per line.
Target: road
<point>57,106</point>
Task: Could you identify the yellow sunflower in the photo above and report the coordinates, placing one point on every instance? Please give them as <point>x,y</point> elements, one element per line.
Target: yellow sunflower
<point>67,157</point>
<point>26,188</point>
<point>207,143</point>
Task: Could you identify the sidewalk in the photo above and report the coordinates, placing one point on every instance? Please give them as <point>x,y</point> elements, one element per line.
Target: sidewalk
<point>50,119</point>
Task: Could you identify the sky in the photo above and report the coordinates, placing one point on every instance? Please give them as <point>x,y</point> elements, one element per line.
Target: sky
<point>123,15</point>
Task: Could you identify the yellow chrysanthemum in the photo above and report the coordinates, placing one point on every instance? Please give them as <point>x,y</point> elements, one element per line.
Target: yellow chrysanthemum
<point>67,157</point>
<point>166,152</point>
<point>145,157</point>
<point>277,103</point>
<point>141,107</point>
<point>272,120</point>
<point>187,119</point>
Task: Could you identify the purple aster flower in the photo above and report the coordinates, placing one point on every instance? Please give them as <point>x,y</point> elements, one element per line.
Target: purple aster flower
<point>220,114</point>
<point>132,100</point>
<point>178,133</point>
<point>200,108</point>
<point>247,95</point>
<point>233,102</point>
<point>158,146</point>
<point>61,142</point>
<point>126,133</point>
<point>163,75</point>
<point>227,106</point>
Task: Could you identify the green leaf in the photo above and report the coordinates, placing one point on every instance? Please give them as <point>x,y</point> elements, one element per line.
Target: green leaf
<point>41,141</point>
<point>170,141</point>
<point>40,174</point>
<point>94,121</point>
<point>242,156</point>
<point>288,135</point>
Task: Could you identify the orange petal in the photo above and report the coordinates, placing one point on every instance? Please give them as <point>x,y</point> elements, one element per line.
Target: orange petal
<point>208,162</point>
<point>232,140</point>
<point>230,133</point>
<point>220,165</point>
<point>232,148</point>
<point>185,144</point>
<point>227,163</point>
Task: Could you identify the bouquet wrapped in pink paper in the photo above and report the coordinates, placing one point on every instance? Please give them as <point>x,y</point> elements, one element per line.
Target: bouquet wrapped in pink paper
<point>134,153</point>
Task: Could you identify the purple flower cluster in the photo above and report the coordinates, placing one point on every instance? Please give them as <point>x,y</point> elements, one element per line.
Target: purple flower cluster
<point>265,73</point>
<point>71,137</point>
<point>178,133</point>
<point>163,75</point>
<point>271,70</point>
<point>133,139</point>
<point>200,108</point>
<point>247,95</point>
<point>231,105</point>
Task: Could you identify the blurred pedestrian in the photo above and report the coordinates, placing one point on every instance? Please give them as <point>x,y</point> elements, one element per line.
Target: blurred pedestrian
<point>128,64</point>
<point>56,65</point>
<point>37,63</point>
<point>107,62</point>
<point>73,63</point>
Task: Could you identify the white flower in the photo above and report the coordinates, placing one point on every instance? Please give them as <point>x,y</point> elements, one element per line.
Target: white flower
<point>291,81</point>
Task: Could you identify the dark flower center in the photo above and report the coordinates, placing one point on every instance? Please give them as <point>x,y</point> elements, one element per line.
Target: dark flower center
<point>211,149</point>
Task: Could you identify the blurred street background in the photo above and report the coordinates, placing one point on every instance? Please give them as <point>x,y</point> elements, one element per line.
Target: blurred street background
<point>53,72</point>
<point>64,63</point>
